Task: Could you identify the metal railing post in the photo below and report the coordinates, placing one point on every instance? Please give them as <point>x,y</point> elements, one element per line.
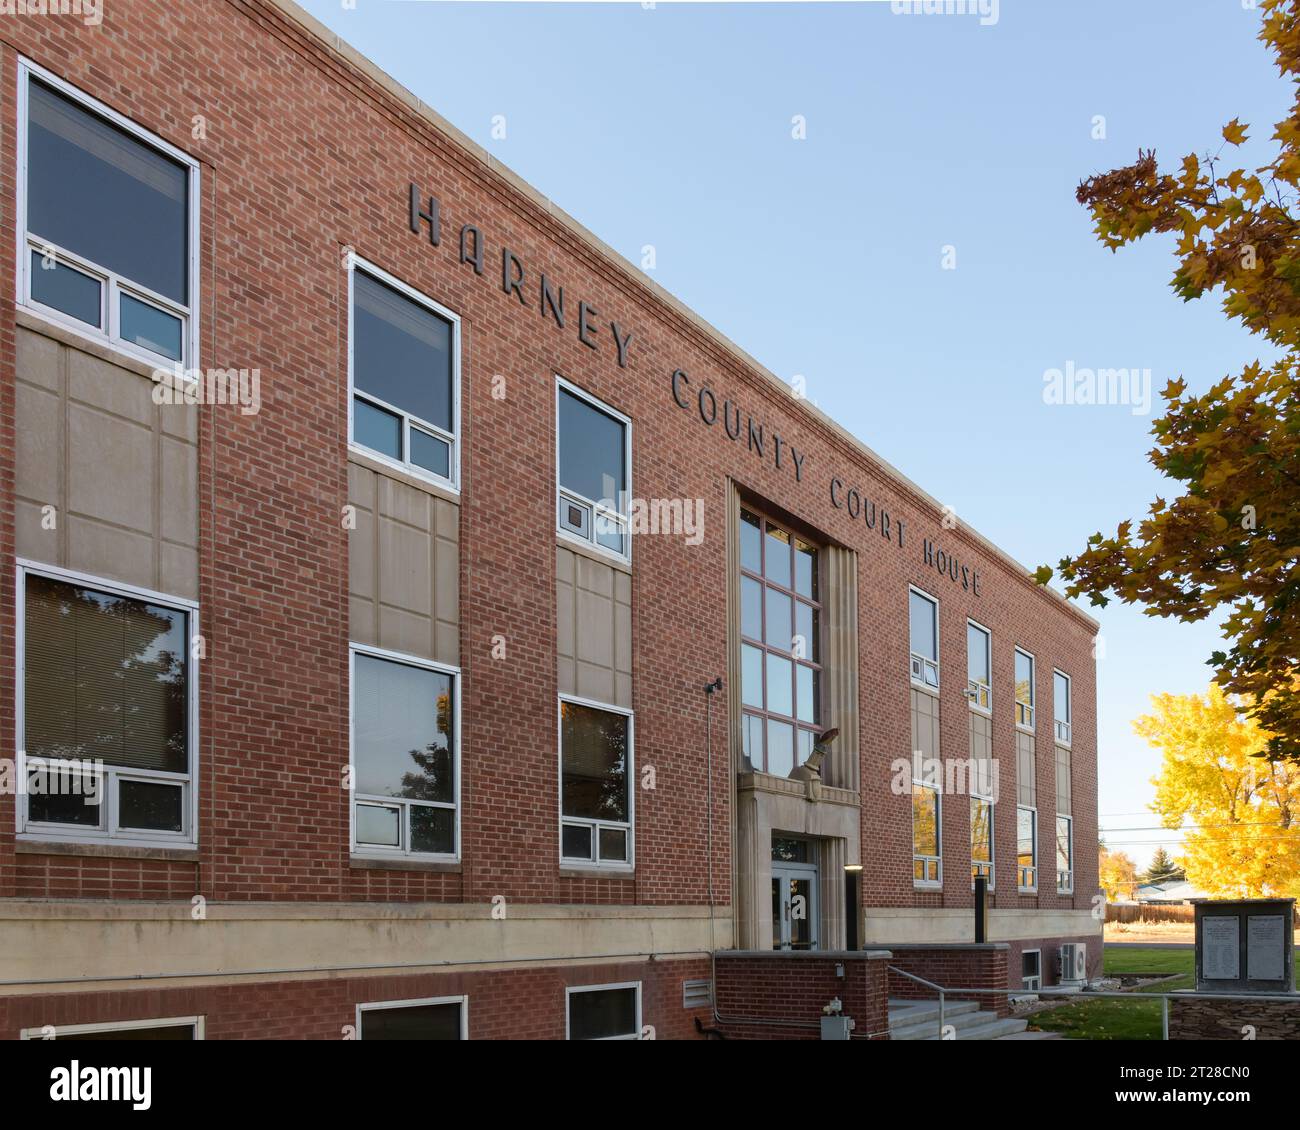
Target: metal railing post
<point>941,1014</point>
<point>1164,1017</point>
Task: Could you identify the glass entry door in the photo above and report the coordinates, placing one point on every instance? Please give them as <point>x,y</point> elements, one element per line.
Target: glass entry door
<point>794,906</point>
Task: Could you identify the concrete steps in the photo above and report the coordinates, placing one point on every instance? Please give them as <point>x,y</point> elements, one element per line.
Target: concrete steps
<point>919,1020</point>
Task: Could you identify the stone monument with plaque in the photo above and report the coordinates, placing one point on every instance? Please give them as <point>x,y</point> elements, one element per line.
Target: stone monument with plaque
<point>1245,946</point>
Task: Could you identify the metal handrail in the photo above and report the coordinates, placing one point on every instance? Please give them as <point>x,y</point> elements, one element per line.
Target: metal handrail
<point>929,985</point>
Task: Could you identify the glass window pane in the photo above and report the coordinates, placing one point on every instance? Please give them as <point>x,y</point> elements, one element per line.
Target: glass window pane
<point>67,289</point>
<point>751,676</point>
<point>751,608</point>
<point>752,740</point>
<point>1024,679</point>
<point>981,831</point>
<point>780,685</point>
<point>780,630</point>
<point>576,841</point>
<point>780,748</point>
<point>602,1013</point>
<point>168,1032</point>
<point>430,453</point>
<point>806,645</point>
<point>379,825</point>
<point>594,744</point>
<point>925,827</point>
<point>414,1022</point>
<point>807,701</point>
<point>923,615</point>
<point>150,805</point>
<point>610,533</point>
<point>977,655</point>
<point>776,547</point>
<point>805,746</point>
<point>751,543</point>
<point>805,569</point>
<point>58,796</point>
<point>105,677</point>
<point>592,452</point>
<point>401,351</point>
<point>147,326</point>
<point>613,845</point>
<point>376,429</point>
<point>1025,837</point>
<point>1062,843</point>
<point>102,194</point>
<point>433,829</point>
<point>402,730</point>
<point>1061,697</point>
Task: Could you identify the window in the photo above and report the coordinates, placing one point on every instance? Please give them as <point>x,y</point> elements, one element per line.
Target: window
<point>780,650</point>
<point>604,1012</point>
<point>595,796</point>
<point>593,470</point>
<point>979,668</point>
<point>438,1018</point>
<point>926,863</point>
<point>1061,705</point>
<point>171,1028</point>
<point>404,374</point>
<point>1031,969</point>
<point>108,218</point>
<point>981,838</point>
<point>925,639</point>
<point>1024,689</point>
<point>1064,855</point>
<point>108,724</point>
<point>405,751</point>
<point>1026,849</point>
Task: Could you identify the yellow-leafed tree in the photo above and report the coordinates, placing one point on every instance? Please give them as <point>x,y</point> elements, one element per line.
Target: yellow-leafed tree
<point>1238,810</point>
<point>1116,874</point>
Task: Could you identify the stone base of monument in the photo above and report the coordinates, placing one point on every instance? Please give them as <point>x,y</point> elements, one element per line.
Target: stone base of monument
<point>1193,1016</point>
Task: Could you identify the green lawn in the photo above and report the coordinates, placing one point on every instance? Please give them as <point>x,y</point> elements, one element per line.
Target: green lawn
<point>1118,1019</point>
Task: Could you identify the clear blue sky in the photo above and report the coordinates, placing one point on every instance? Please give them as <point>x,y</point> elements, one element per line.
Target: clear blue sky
<point>672,127</point>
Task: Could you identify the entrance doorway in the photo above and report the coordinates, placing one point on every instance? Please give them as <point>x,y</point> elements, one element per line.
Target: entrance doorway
<point>795,912</point>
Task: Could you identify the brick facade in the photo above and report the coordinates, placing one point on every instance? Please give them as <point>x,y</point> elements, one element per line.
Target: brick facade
<point>305,155</point>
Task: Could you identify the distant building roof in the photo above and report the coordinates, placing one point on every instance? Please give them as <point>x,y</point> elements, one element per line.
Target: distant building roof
<point>1169,890</point>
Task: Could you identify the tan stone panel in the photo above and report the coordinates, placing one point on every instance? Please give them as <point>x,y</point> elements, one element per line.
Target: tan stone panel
<point>38,360</point>
<point>111,469</point>
<point>110,388</point>
<point>39,467</point>
<point>404,503</point>
<point>595,682</point>
<point>178,570</point>
<point>405,569</point>
<point>1026,771</point>
<point>31,539</point>
<point>180,421</point>
<point>446,647</point>
<point>405,631</point>
<point>446,571</point>
<point>1063,789</point>
<point>179,484</point>
<point>361,487</point>
<point>110,552</point>
<point>361,556</point>
<point>446,520</point>
<point>595,627</point>
<point>363,621</point>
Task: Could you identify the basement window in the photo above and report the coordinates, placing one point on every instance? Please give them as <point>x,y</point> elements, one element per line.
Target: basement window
<point>108,716</point>
<point>436,1018</point>
<point>604,1012</point>
<point>109,219</point>
<point>404,373</point>
<point>1031,969</point>
<point>593,471</point>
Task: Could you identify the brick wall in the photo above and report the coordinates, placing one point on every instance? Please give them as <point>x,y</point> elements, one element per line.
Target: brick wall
<point>965,966</point>
<point>780,996</point>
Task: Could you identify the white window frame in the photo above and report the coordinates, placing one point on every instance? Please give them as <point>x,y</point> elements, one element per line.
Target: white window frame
<point>1038,978</point>
<point>920,663</point>
<point>1020,871</point>
<point>618,866</point>
<point>452,483</point>
<point>196,1022</point>
<point>417,1002</point>
<point>379,851</point>
<point>973,688</point>
<point>112,285</point>
<point>1062,730</point>
<point>1064,879</point>
<point>1025,727</point>
<point>593,506</point>
<point>936,883</point>
<point>108,831</point>
<point>571,990</point>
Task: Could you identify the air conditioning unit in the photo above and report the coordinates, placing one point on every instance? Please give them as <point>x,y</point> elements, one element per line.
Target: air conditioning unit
<point>1073,968</point>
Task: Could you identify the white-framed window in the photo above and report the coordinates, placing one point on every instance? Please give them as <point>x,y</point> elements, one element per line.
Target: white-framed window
<point>430,1018</point>
<point>1061,705</point>
<point>923,616</point>
<point>107,730</point>
<point>108,223</point>
<point>1064,855</point>
<point>1027,848</point>
<point>1031,969</point>
<point>1024,690</point>
<point>593,471</point>
<point>603,1012</point>
<point>981,839</point>
<point>927,862</point>
<point>405,754</point>
<point>596,794</point>
<point>403,375</point>
<point>979,667</point>
<point>163,1028</point>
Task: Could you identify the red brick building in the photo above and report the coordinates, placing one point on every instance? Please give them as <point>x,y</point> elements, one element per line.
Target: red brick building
<point>375,534</point>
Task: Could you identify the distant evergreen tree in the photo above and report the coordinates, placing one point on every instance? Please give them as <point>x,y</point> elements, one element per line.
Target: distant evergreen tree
<point>1162,867</point>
